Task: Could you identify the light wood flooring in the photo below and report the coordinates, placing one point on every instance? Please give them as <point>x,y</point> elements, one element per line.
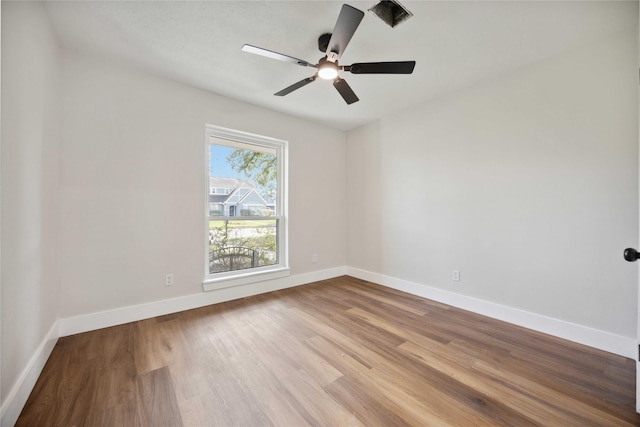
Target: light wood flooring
<point>341,352</point>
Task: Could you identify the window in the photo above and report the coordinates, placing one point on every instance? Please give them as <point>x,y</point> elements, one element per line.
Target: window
<point>246,208</point>
<point>219,190</point>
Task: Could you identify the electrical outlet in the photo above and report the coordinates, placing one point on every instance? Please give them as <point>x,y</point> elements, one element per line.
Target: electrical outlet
<point>314,258</point>
<point>168,280</point>
<point>455,275</point>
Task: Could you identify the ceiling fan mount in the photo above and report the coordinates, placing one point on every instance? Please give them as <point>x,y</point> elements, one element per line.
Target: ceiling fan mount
<point>323,42</point>
<point>333,46</point>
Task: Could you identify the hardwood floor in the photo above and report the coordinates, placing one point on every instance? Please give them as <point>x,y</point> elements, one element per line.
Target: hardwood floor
<point>341,352</point>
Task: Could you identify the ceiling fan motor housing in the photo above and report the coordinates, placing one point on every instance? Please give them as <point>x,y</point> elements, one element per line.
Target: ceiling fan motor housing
<point>323,42</point>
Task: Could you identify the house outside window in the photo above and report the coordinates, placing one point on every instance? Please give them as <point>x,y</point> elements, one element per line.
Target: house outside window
<point>246,208</point>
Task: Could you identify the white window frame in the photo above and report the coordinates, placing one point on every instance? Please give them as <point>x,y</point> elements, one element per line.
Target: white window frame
<point>228,279</point>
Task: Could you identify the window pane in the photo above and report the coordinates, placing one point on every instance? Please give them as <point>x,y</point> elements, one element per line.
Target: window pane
<point>241,244</point>
<point>242,181</point>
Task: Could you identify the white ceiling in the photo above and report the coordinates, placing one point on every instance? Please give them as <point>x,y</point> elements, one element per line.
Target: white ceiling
<point>456,44</point>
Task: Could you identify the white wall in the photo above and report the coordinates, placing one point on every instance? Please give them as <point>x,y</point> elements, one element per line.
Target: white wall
<point>133,182</point>
<point>30,140</point>
<point>527,185</point>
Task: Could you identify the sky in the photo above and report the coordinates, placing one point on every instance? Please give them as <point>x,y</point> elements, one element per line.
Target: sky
<point>218,162</point>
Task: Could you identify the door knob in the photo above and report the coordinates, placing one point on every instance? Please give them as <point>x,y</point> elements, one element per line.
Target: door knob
<point>631,255</point>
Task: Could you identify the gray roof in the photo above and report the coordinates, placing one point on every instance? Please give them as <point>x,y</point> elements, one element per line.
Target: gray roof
<point>218,198</point>
<point>215,181</point>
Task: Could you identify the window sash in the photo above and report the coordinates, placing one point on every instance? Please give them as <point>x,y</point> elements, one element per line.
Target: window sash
<point>236,139</point>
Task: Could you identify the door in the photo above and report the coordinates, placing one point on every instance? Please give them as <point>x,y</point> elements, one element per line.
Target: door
<point>633,255</point>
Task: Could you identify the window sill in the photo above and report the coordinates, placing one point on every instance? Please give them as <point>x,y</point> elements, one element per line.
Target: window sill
<point>244,279</point>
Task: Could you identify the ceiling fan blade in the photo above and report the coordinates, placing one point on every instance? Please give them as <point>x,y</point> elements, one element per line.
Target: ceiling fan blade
<point>345,90</point>
<point>401,67</point>
<point>275,55</point>
<point>346,25</point>
<point>295,86</point>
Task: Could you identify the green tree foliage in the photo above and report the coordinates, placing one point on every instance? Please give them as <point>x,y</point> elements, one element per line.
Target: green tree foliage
<point>228,234</point>
<point>260,167</point>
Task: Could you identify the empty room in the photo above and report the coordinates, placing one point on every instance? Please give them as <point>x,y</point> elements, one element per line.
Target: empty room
<point>319,213</point>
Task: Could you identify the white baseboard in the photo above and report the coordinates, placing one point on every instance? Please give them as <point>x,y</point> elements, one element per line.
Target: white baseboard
<point>617,344</point>
<point>17,397</point>
<point>119,316</point>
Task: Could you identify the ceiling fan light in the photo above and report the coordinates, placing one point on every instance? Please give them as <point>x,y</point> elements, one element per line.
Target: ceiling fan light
<point>328,71</point>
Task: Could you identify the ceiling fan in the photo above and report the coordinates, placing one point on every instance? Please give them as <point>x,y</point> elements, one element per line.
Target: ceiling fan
<point>333,46</point>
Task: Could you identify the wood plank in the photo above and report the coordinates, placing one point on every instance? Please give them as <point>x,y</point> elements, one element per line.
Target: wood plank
<point>157,400</point>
